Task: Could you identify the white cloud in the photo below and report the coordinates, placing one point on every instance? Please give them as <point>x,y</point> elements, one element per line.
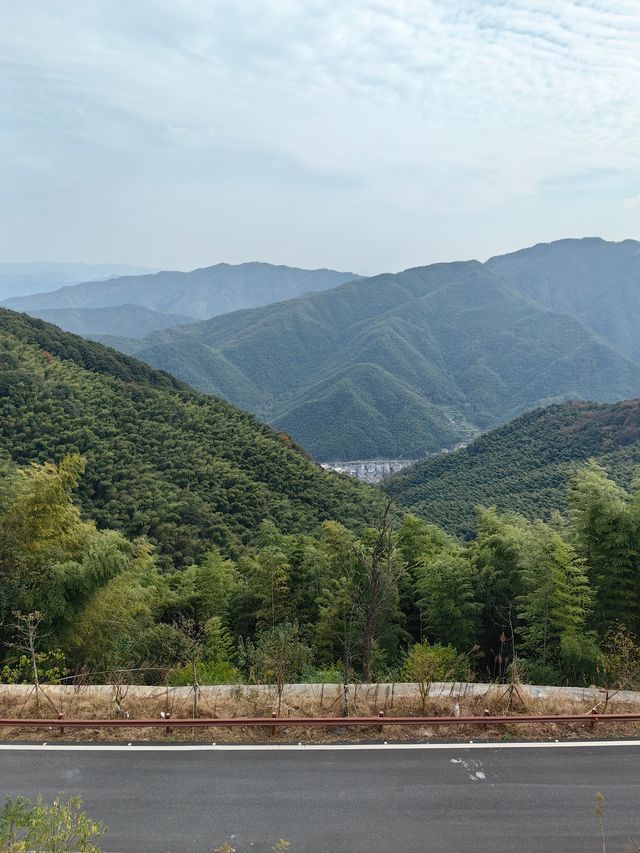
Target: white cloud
<point>405,109</point>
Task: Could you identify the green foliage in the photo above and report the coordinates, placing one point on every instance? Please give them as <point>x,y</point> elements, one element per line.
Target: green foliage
<point>606,524</point>
<point>426,663</point>
<point>330,674</point>
<point>186,471</point>
<point>37,827</point>
<point>620,661</point>
<point>404,365</point>
<point>278,656</point>
<point>51,668</point>
<point>522,467</point>
<point>207,672</point>
<point>553,607</point>
<point>447,599</point>
<point>559,598</point>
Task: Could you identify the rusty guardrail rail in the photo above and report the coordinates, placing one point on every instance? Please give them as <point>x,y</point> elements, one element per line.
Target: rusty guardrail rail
<point>314,722</point>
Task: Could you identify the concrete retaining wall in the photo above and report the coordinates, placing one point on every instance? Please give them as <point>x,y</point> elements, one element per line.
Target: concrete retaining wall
<point>375,693</point>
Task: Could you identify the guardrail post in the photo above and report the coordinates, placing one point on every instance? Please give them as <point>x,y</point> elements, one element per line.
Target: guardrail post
<point>380,714</point>
<point>61,717</point>
<point>485,713</point>
<point>167,716</point>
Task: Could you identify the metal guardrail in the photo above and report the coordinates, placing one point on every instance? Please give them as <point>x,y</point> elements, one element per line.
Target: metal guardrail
<point>313,722</point>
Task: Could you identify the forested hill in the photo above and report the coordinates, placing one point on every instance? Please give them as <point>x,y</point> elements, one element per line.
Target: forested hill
<point>523,466</point>
<point>131,321</point>
<point>164,461</point>
<point>396,365</point>
<point>593,280</point>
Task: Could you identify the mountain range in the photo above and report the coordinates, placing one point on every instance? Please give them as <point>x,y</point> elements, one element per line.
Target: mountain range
<point>397,365</point>
<point>406,364</point>
<point>523,466</point>
<point>22,279</point>
<point>198,295</point>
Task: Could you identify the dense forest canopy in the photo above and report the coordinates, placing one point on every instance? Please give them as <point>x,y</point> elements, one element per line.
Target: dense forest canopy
<point>149,529</point>
<point>408,364</point>
<point>524,466</point>
<point>162,461</point>
<point>547,602</point>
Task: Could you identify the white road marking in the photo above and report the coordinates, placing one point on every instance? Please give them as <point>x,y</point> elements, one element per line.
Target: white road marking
<point>473,768</point>
<point>311,747</point>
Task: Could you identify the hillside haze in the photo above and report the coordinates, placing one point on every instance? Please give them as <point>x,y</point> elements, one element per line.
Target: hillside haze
<point>131,321</point>
<point>22,279</point>
<point>199,294</point>
<point>593,280</point>
<point>408,364</point>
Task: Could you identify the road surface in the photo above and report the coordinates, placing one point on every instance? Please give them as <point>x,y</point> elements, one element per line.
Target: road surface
<point>375,800</point>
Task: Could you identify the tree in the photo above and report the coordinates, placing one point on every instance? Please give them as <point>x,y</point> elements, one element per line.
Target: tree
<point>39,527</point>
<point>28,636</point>
<point>57,828</point>
<point>620,662</point>
<point>379,567</point>
<point>419,543</point>
<point>210,661</point>
<point>606,526</point>
<point>278,656</point>
<point>447,599</point>
<point>338,632</point>
<point>39,514</point>
<point>109,631</point>
<point>269,585</point>
<point>215,581</point>
<point>495,559</point>
<point>425,664</point>
<point>553,607</point>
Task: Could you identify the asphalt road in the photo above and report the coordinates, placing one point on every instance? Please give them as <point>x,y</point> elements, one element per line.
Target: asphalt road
<point>387,800</point>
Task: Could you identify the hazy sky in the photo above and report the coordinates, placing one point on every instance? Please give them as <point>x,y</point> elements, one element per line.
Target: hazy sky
<point>365,135</point>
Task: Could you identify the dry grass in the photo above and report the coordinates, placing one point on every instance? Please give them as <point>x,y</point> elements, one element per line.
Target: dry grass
<point>89,704</point>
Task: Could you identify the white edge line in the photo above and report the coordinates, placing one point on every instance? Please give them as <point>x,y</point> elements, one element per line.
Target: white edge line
<point>315,747</point>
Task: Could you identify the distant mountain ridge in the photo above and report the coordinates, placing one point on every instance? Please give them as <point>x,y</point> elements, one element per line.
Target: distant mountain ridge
<point>22,279</point>
<point>407,364</point>
<point>523,466</point>
<point>199,294</point>
<point>395,366</point>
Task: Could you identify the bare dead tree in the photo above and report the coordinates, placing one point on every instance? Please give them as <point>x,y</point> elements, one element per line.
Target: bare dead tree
<point>513,669</point>
<point>348,643</point>
<point>194,646</point>
<point>28,637</point>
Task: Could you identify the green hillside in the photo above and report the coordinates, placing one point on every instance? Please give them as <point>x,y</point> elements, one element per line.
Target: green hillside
<point>523,466</point>
<point>367,407</point>
<point>396,365</point>
<point>163,460</point>
<point>596,281</point>
<point>130,321</point>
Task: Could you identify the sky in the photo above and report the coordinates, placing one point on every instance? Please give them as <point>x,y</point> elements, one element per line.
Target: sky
<point>363,135</point>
